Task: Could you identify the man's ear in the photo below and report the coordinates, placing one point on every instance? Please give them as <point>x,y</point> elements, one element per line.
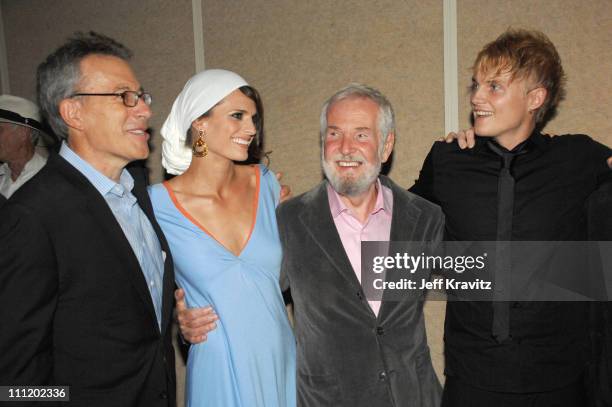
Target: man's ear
<point>388,147</point>
<point>70,111</point>
<point>536,98</point>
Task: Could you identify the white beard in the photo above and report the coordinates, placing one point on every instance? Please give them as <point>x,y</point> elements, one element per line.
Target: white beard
<point>350,186</point>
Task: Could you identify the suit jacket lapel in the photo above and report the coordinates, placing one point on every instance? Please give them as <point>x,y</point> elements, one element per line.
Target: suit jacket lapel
<point>109,226</point>
<point>142,196</point>
<point>405,214</point>
<point>318,222</point>
<point>404,219</point>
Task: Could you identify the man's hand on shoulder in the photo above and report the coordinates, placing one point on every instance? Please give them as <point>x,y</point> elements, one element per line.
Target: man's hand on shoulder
<point>194,323</point>
<point>464,138</point>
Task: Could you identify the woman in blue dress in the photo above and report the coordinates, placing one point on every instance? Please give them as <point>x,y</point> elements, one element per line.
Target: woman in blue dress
<point>219,219</point>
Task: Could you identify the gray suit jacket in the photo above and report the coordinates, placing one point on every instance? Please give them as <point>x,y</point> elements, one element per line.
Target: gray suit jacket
<point>346,355</point>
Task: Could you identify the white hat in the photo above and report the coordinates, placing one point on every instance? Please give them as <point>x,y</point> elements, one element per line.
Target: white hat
<point>14,109</point>
<point>201,93</point>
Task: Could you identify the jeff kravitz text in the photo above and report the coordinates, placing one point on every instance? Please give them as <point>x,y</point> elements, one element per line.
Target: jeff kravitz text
<point>449,266</point>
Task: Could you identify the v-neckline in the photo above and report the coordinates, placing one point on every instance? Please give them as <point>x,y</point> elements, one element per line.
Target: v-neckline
<point>184,212</point>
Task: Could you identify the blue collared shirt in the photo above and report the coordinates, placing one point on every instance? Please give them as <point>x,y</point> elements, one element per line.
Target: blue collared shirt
<point>131,218</point>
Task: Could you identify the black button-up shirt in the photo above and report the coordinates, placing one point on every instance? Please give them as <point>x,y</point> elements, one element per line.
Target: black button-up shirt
<point>553,179</point>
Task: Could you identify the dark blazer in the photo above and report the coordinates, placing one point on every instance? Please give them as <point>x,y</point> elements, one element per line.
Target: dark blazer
<point>346,355</point>
<point>74,304</point>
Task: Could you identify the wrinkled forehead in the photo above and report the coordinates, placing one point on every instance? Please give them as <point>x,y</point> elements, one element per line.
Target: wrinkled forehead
<point>353,112</point>
<point>5,125</point>
<point>9,130</point>
<point>110,72</point>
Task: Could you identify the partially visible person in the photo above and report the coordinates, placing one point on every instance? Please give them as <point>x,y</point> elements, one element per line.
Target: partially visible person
<point>600,229</point>
<point>86,276</point>
<point>516,185</point>
<point>20,130</point>
<point>219,218</point>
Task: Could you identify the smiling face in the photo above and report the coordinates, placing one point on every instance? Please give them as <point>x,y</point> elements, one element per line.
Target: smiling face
<point>503,107</point>
<point>229,128</point>
<point>104,131</point>
<point>352,150</point>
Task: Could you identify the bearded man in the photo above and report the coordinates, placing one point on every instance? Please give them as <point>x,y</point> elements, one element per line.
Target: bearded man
<point>351,350</point>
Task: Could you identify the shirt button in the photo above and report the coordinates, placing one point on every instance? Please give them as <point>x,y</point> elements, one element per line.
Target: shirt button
<point>152,283</point>
<point>380,330</point>
<point>382,376</point>
<point>516,305</point>
<point>163,395</point>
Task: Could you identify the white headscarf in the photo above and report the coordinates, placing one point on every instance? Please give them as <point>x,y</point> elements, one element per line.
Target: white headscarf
<point>200,94</point>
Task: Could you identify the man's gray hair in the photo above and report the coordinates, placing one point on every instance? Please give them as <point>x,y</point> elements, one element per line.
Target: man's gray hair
<point>386,116</point>
<point>58,76</point>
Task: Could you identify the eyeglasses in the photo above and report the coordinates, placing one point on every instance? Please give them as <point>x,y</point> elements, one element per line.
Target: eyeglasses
<point>129,97</point>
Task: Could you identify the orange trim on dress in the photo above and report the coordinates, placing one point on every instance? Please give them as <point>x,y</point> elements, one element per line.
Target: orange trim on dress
<point>193,220</point>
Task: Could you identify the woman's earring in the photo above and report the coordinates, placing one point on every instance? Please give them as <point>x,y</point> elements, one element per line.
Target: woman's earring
<point>199,148</point>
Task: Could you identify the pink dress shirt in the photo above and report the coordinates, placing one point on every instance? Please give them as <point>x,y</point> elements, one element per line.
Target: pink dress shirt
<point>352,232</point>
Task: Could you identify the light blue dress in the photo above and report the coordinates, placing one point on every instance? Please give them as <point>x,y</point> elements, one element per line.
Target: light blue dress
<point>249,359</point>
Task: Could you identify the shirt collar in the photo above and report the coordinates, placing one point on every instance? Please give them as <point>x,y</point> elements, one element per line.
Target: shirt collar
<point>536,139</point>
<point>101,182</point>
<point>36,162</point>
<point>337,206</point>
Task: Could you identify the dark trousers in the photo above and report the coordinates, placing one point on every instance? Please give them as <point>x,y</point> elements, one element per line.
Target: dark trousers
<point>459,394</point>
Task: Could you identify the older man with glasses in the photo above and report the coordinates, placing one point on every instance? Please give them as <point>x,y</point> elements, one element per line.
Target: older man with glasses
<point>86,278</point>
